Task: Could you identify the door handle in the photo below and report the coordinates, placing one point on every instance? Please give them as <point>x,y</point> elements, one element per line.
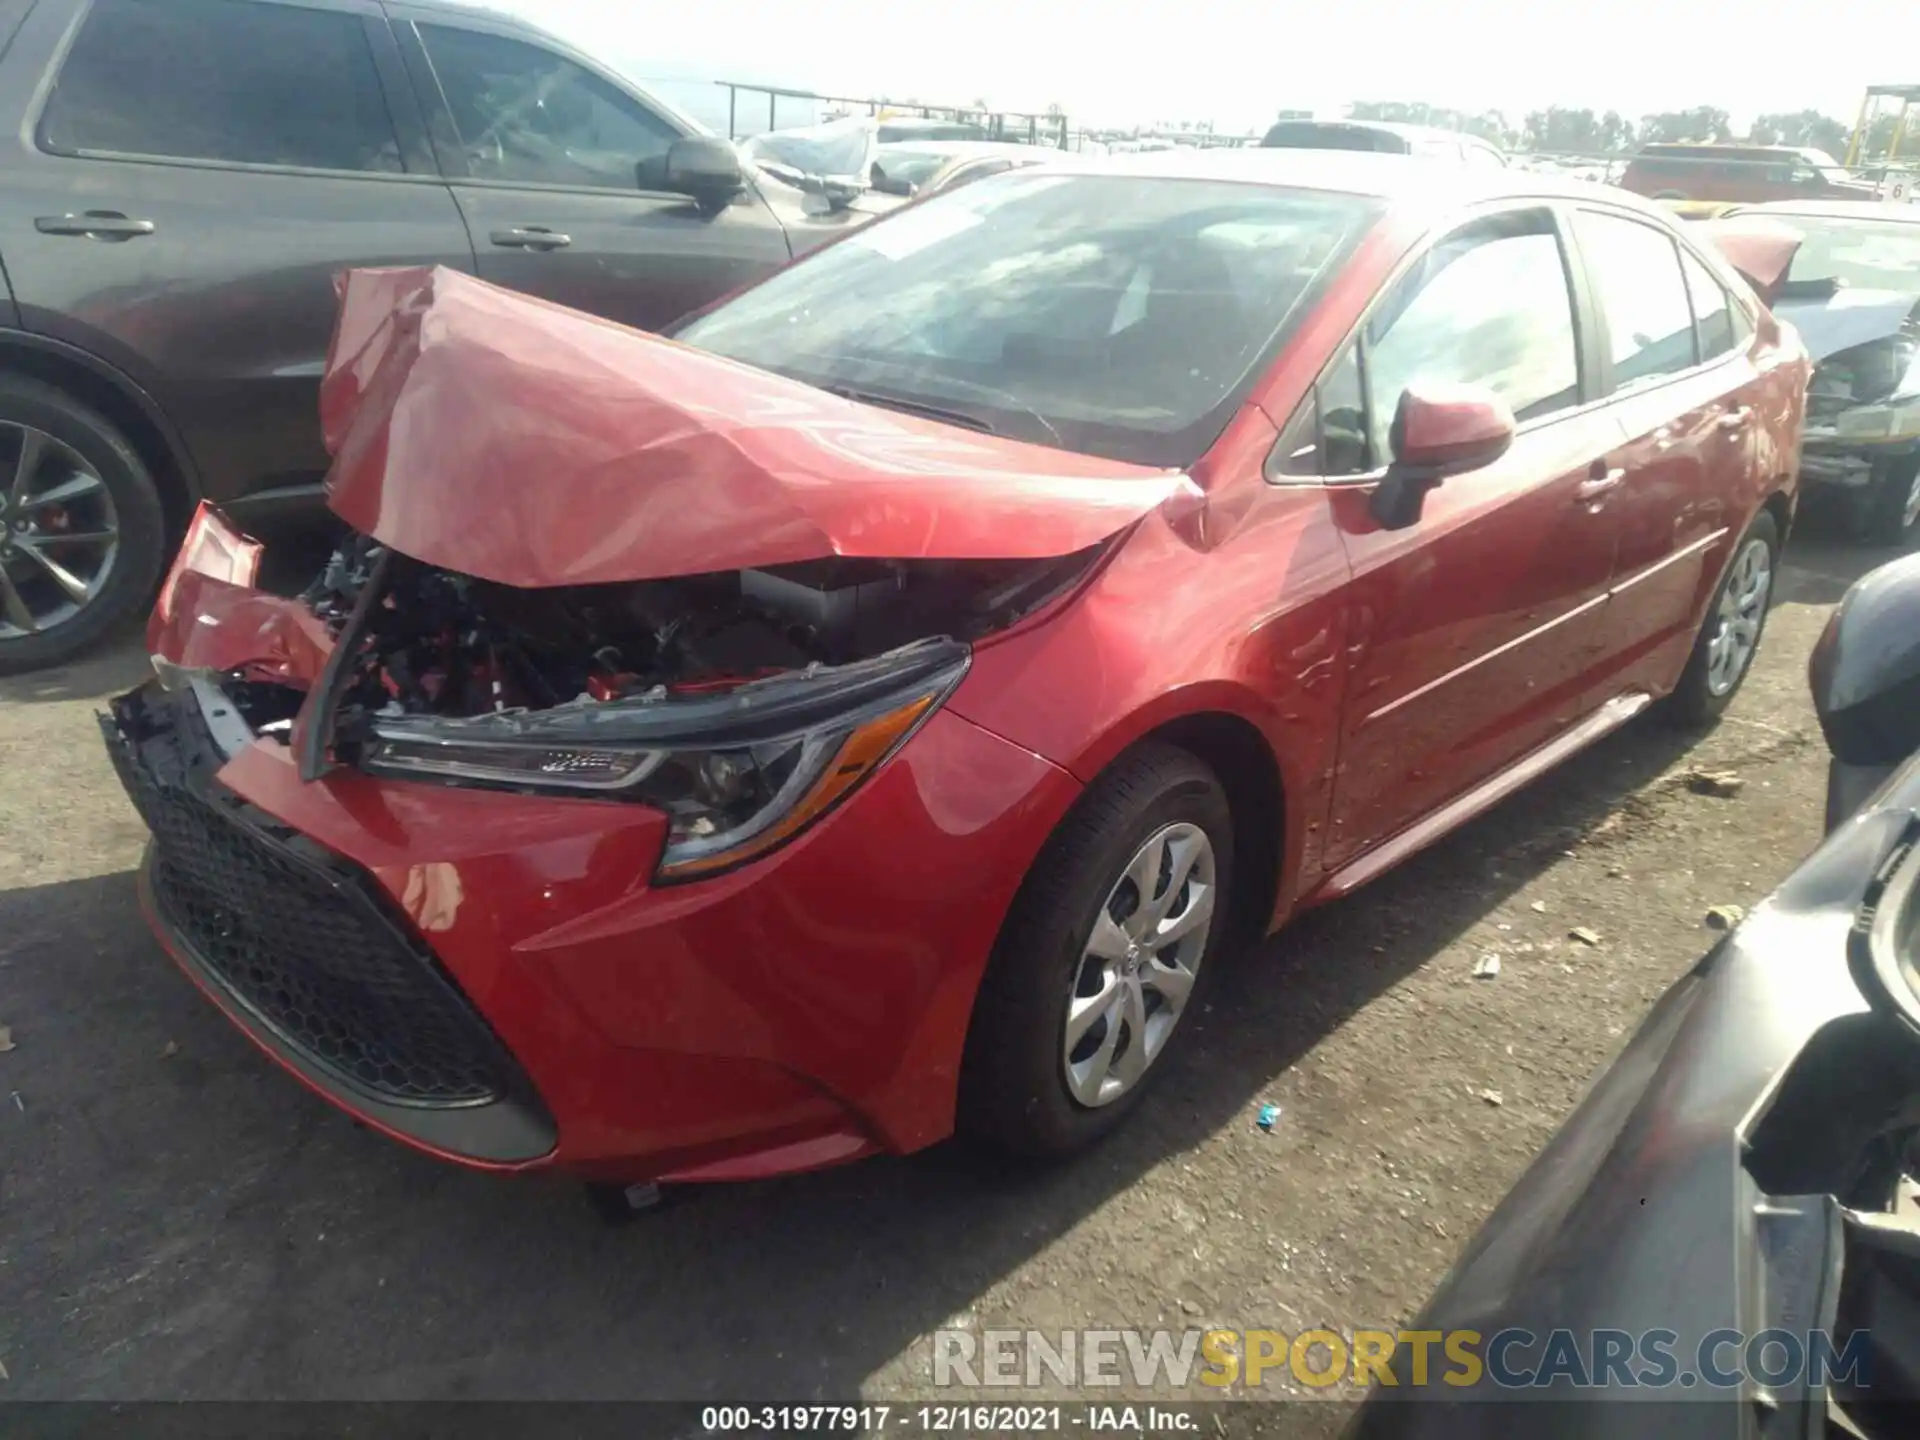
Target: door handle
<point>530,237</point>
<point>1736,418</point>
<point>1598,483</point>
<point>94,225</point>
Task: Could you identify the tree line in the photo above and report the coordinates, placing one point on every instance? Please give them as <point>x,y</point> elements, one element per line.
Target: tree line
<point>1558,129</point>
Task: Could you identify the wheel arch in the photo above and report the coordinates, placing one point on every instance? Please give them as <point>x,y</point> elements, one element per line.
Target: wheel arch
<point>1234,749</point>
<point>103,387</point>
<point>1220,724</point>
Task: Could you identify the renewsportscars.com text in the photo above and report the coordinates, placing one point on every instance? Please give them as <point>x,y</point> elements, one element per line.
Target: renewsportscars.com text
<point>1321,1358</point>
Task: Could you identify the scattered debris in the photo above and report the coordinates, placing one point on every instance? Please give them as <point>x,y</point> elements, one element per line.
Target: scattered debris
<point>1269,1117</point>
<point>1192,1307</point>
<point>1721,784</point>
<point>3,1373</point>
<point>1539,907</point>
<point>170,1051</point>
<point>18,1103</point>
<point>6,1039</point>
<point>1725,917</point>
<point>1486,967</point>
<point>1493,1097</point>
<point>1584,935</point>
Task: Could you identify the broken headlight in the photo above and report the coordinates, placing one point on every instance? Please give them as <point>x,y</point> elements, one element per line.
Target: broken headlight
<point>738,774</point>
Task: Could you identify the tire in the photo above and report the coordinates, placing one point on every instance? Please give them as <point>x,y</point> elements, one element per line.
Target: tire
<point>1705,690</point>
<point>74,439</point>
<point>1889,512</point>
<point>1015,1093</point>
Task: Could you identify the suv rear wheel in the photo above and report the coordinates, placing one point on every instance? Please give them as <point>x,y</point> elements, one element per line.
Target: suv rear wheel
<point>83,535</point>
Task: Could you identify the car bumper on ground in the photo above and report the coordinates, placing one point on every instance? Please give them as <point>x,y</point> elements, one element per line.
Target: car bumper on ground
<point>491,977</point>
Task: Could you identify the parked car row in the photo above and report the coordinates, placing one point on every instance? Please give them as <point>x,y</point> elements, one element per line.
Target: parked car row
<point>1120,558</point>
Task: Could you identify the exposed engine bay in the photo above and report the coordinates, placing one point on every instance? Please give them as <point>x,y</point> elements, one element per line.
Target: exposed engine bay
<point>443,644</point>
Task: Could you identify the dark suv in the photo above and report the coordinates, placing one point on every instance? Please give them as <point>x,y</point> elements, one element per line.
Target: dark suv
<point>182,180</point>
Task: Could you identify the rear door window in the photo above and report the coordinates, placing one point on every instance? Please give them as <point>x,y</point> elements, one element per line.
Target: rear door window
<point>1712,309</point>
<point>233,81</point>
<point>1489,305</point>
<point>528,115</point>
<point>1635,271</point>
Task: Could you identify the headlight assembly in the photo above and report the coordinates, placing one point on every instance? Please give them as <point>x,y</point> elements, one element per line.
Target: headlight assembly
<point>738,773</point>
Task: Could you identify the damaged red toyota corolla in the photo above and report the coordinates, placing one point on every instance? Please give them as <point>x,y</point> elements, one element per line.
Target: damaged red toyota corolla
<point>875,711</point>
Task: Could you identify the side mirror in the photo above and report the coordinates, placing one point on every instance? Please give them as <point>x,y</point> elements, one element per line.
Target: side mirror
<point>1438,431</point>
<point>1865,678</point>
<point>703,166</point>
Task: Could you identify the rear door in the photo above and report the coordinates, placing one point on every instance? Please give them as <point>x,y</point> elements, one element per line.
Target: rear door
<point>543,151</point>
<point>182,193</point>
<point>1681,389</point>
<point>1474,629</point>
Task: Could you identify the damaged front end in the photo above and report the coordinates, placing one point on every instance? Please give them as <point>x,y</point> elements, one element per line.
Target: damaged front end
<point>589,562</point>
<point>1864,402</point>
<point>745,705</point>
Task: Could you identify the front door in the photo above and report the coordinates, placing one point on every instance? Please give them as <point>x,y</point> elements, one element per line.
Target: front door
<point>199,174</point>
<point>545,156</point>
<point>1474,629</point>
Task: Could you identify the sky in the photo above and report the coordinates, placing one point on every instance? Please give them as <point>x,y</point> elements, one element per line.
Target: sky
<point>1236,62</point>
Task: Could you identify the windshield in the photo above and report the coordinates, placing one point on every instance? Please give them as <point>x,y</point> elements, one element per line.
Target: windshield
<point>1861,254</point>
<point>1116,315</point>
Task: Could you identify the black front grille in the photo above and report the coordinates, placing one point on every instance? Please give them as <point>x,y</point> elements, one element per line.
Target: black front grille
<point>294,933</point>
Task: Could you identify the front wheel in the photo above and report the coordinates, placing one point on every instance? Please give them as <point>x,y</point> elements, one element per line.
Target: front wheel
<point>1101,957</point>
<point>1730,637</point>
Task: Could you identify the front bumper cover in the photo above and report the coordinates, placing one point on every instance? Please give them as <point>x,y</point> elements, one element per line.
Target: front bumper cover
<point>784,1016</point>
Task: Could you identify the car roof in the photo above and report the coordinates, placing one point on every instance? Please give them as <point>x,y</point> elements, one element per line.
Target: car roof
<point>1360,172</point>
<point>952,148</point>
<point>1385,127</point>
<point>1833,210</point>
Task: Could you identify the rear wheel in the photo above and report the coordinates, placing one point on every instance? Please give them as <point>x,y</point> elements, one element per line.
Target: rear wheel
<point>1889,509</point>
<point>1101,957</point>
<point>83,536</point>
<point>1730,636</point>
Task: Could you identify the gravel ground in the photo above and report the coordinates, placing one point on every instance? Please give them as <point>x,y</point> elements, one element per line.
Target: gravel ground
<point>179,1220</point>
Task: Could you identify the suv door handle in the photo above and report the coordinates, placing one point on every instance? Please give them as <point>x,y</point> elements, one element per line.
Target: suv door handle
<point>531,237</point>
<point>1599,482</point>
<point>94,225</point>
<point>1736,418</point>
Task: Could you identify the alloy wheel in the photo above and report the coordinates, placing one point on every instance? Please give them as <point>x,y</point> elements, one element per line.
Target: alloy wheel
<point>1740,614</point>
<point>59,532</point>
<point>1138,969</point>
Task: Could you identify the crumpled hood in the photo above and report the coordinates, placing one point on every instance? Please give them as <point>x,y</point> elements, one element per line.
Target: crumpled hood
<point>505,437</point>
<point>1847,318</point>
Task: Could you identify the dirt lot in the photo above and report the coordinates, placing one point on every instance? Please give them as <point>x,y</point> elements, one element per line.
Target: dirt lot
<point>179,1220</point>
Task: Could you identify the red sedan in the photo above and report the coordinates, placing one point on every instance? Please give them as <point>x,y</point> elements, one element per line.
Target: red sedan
<point>874,711</point>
